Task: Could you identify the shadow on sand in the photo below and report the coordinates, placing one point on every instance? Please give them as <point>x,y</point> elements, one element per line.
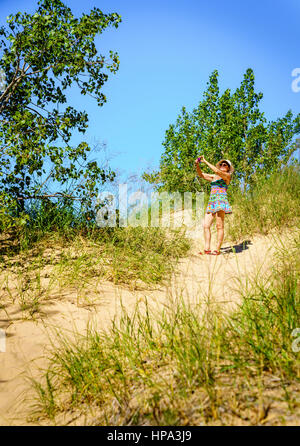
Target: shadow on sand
<point>236,248</point>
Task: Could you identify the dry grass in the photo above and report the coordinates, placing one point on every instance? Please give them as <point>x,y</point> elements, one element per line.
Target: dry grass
<point>134,257</point>
<point>183,366</point>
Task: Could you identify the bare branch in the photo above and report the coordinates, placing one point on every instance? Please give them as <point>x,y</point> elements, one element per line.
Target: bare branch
<point>56,194</point>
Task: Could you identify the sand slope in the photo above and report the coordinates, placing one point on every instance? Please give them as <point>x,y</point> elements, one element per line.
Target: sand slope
<point>197,279</point>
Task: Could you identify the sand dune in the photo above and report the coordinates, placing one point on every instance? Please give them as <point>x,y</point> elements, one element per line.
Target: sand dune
<point>198,279</point>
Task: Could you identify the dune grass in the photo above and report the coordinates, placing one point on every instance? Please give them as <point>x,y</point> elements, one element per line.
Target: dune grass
<point>272,203</point>
<point>58,264</point>
<point>185,366</point>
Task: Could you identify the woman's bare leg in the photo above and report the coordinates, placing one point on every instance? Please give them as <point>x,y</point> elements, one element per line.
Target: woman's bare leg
<point>208,219</point>
<point>220,228</point>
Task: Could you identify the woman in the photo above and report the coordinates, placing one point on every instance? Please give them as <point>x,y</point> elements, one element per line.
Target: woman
<point>218,204</point>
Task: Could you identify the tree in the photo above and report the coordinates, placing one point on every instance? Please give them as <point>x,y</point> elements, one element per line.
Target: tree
<point>42,56</point>
<point>224,126</point>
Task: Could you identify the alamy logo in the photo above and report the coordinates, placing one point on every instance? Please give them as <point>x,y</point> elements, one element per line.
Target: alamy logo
<point>296,342</point>
<point>160,209</point>
<point>2,80</point>
<point>2,341</point>
<point>296,81</point>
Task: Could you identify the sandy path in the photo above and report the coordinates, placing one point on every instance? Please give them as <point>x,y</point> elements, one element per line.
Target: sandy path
<point>197,279</point>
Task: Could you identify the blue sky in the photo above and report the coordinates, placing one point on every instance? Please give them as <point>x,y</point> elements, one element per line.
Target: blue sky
<point>167,51</point>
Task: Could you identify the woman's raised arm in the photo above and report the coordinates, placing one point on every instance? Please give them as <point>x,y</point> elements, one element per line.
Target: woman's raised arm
<point>205,176</point>
<point>225,175</point>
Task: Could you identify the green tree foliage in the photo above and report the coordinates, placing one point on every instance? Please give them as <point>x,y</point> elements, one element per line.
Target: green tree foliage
<point>228,125</point>
<point>41,56</point>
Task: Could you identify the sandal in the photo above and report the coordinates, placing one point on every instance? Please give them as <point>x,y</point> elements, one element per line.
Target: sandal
<point>205,252</point>
<point>216,253</point>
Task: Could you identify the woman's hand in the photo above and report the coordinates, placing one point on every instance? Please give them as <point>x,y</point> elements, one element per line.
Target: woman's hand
<point>198,160</point>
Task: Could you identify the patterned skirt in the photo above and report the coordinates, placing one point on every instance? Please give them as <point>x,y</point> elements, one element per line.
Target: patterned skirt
<point>218,201</point>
